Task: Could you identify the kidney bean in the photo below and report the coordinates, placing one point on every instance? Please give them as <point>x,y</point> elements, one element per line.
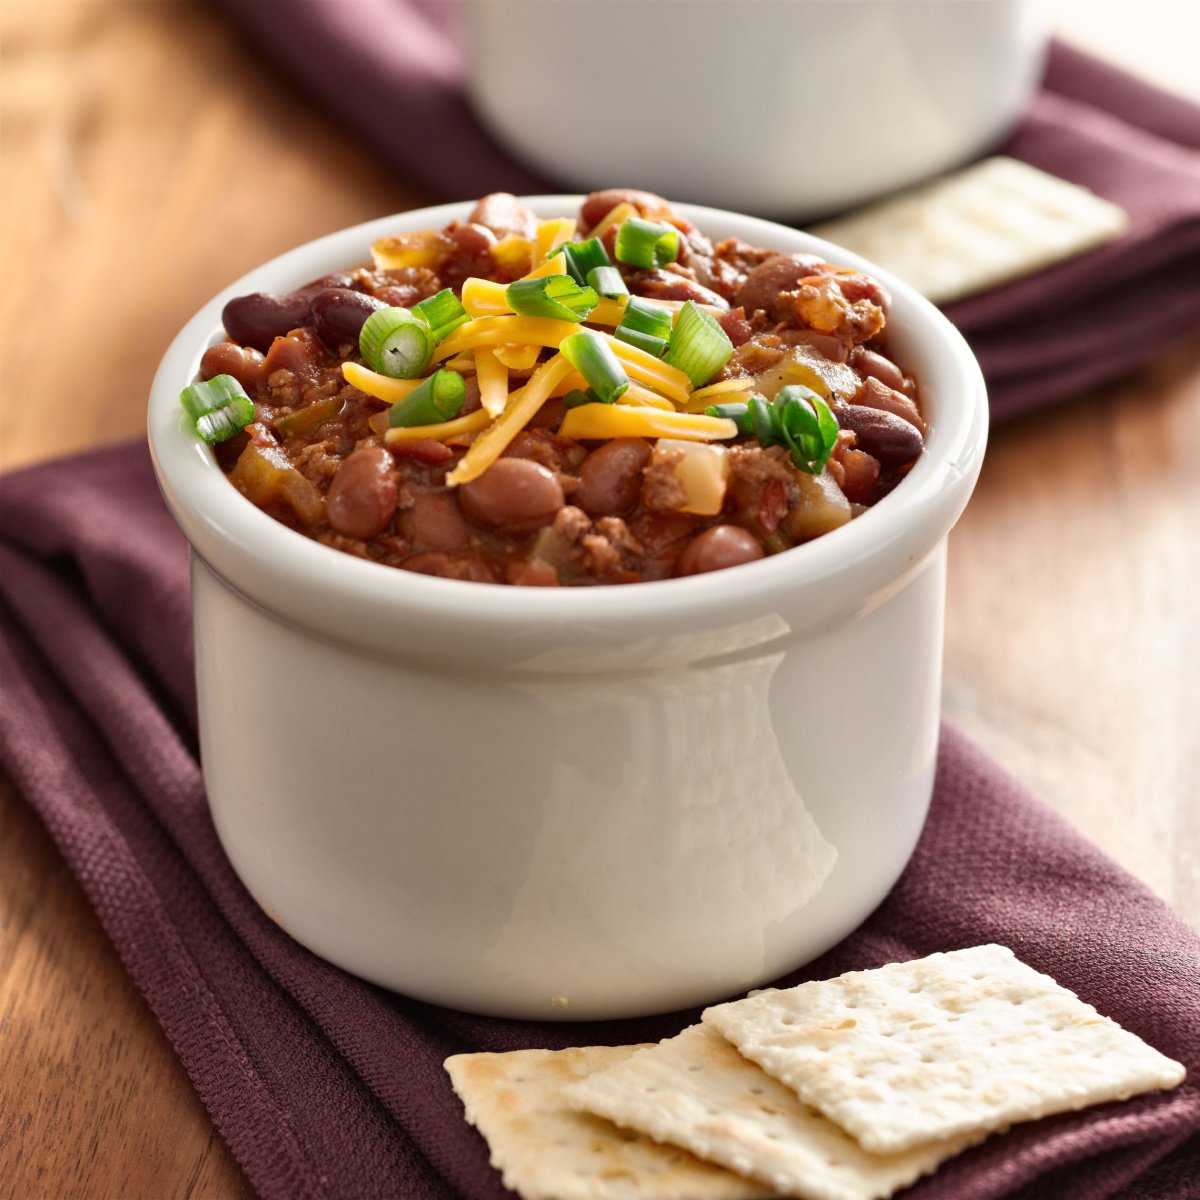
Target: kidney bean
<point>259,318</point>
<point>517,495</point>
<point>471,238</point>
<point>246,365</point>
<point>779,273</point>
<point>362,497</point>
<point>869,363</point>
<point>435,522</point>
<point>424,450</point>
<point>658,284</point>
<point>534,573</point>
<point>338,315</point>
<point>890,438</point>
<point>717,548</point>
<point>450,566</point>
<point>610,478</point>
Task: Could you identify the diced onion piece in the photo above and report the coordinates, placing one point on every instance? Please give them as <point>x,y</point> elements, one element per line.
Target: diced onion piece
<point>622,420</point>
<point>518,358</point>
<point>551,233</point>
<point>513,252</point>
<point>554,266</point>
<point>522,405</point>
<point>716,393</point>
<point>439,398</point>
<point>376,385</point>
<point>615,216</point>
<point>492,376</point>
<point>653,372</point>
<point>263,473</point>
<point>823,507</point>
<point>420,249</point>
<point>699,346</point>
<point>443,431</point>
<point>703,470</point>
<point>496,331</point>
<point>484,297</point>
<point>810,368</point>
<point>589,353</point>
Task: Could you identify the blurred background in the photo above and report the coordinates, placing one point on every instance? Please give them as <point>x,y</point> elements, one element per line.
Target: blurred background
<point>150,155</point>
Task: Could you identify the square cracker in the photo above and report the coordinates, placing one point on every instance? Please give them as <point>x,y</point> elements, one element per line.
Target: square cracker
<point>918,1051</point>
<point>697,1091</point>
<point>989,223</point>
<point>545,1150</point>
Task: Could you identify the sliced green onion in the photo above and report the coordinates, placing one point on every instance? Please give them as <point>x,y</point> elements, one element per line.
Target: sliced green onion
<point>806,426</point>
<point>396,343</point>
<point>593,358</point>
<point>556,296</point>
<point>218,407</point>
<point>645,317</point>
<point>607,282</point>
<point>443,313</point>
<point>643,341</point>
<point>736,411</point>
<point>646,243</point>
<point>438,398</point>
<point>583,257</point>
<point>763,421</point>
<point>699,346</point>
<point>577,397</point>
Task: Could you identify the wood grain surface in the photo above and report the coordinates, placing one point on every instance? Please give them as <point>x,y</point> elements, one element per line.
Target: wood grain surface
<point>148,158</point>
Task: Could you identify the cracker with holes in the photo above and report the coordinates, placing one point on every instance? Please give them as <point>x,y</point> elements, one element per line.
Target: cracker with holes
<point>968,1041</point>
<point>696,1091</point>
<point>546,1150</point>
<point>987,224</point>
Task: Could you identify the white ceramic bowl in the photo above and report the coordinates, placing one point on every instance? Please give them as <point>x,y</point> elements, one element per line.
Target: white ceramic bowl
<point>786,108</point>
<point>575,802</point>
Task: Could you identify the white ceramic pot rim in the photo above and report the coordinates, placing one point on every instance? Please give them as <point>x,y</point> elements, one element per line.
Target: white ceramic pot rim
<point>306,582</point>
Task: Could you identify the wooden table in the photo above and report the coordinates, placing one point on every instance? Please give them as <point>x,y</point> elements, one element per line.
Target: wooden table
<point>149,158</point>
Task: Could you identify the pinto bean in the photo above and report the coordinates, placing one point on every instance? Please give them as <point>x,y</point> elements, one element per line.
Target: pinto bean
<point>517,495</point>
<point>338,315</point>
<point>779,273</point>
<point>658,284</point>
<point>362,496</point>
<point>717,548</point>
<point>610,478</point>
<point>875,394</point>
<point>435,522</point>
<point>471,238</point>
<point>869,363</point>
<point>503,213</point>
<point>246,365</point>
<point>599,204</point>
<point>450,566</point>
<point>890,438</point>
<point>298,352</point>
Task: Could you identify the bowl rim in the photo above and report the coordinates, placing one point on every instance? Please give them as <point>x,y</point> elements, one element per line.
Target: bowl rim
<point>266,559</point>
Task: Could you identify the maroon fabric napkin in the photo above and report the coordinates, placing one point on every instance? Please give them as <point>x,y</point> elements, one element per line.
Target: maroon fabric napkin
<point>325,1086</point>
<point>1042,339</point>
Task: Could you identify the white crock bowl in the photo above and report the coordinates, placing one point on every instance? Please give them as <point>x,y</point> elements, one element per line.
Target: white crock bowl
<point>787,108</point>
<point>576,802</point>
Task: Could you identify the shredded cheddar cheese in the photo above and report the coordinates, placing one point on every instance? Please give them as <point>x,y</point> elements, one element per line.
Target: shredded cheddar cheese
<point>492,376</point>
<point>550,234</point>
<point>617,420</point>
<point>653,372</point>
<point>518,359</point>
<point>495,331</point>
<point>614,216</point>
<point>522,404</point>
<point>554,266</point>
<point>420,249</point>
<point>441,432</point>
<point>717,393</point>
<point>485,297</point>
<point>381,387</point>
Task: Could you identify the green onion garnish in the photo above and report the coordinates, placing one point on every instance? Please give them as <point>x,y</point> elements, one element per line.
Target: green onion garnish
<point>443,313</point>
<point>438,398</point>
<point>583,257</point>
<point>218,407</point>
<point>593,358</point>
<point>556,296</point>
<point>643,341</point>
<point>807,427</point>
<point>646,243</point>
<point>644,317</point>
<point>699,346</point>
<point>607,281</point>
<point>798,419</point>
<point>396,343</point>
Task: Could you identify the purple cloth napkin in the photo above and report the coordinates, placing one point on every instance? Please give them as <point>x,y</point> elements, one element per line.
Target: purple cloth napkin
<point>325,1086</point>
<point>1042,339</point>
